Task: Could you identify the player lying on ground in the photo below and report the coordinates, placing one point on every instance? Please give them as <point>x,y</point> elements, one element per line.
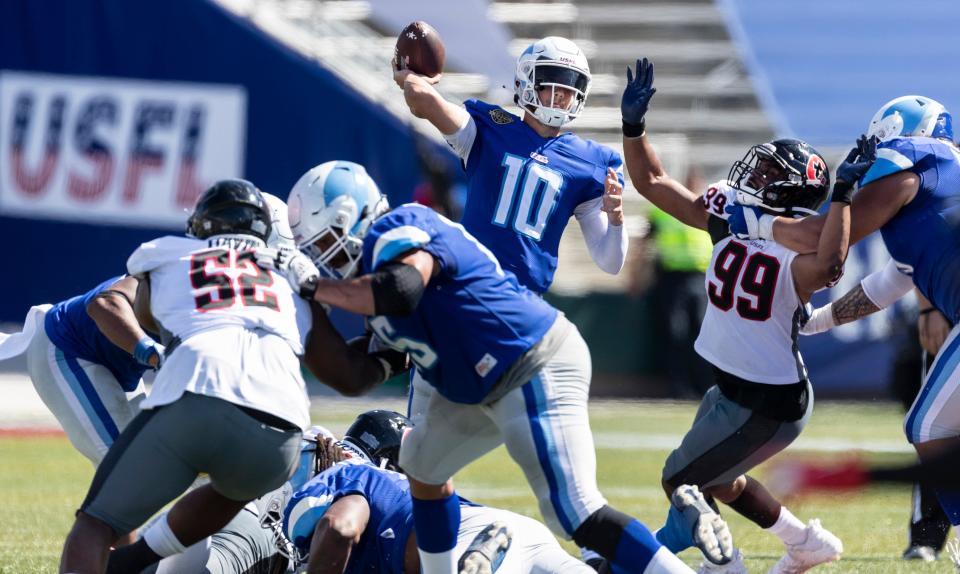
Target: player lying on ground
<point>501,364</point>
<point>910,194</point>
<point>756,292</point>
<point>357,516</point>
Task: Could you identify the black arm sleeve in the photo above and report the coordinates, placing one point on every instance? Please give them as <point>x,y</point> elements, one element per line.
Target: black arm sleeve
<point>397,289</point>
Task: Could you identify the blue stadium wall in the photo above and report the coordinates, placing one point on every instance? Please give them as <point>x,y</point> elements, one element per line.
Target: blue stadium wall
<point>292,115</point>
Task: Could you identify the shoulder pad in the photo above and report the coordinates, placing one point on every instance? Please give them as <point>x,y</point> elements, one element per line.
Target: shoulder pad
<point>397,232</point>
<point>155,253</point>
<point>893,156</point>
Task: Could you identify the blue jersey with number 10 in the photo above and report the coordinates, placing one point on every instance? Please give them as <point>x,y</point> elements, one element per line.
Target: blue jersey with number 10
<point>474,319</point>
<point>523,189</point>
<point>924,236</point>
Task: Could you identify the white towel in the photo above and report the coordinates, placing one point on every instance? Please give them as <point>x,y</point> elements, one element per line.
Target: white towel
<point>14,344</point>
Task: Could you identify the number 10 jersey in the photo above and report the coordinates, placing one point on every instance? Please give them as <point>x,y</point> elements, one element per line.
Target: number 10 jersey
<point>754,314</point>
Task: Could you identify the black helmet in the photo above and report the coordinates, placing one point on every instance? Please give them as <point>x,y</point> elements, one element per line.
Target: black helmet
<point>230,206</point>
<point>784,176</point>
<point>377,435</point>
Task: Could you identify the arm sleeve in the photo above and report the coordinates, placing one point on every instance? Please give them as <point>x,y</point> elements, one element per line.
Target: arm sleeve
<point>886,286</point>
<point>462,140</point>
<point>606,243</point>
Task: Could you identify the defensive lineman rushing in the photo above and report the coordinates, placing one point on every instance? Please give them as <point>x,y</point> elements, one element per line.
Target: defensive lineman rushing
<point>756,290</point>
<point>234,331</point>
<point>910,194</point>
<point>521,375</point>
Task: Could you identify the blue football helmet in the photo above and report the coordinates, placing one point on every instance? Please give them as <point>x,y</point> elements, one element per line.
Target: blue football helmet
<point>330,209</point>
<point>911,116</point>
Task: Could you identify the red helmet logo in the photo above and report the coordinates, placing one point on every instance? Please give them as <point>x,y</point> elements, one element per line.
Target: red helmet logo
<point>817,170</point>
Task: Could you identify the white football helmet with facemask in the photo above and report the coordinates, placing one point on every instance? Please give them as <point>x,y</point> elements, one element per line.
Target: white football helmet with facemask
<point>552,62</point>
<point>330,210</point>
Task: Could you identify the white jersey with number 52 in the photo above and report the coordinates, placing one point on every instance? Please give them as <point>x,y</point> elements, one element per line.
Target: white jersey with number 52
<point>753,312</point>
<point>241,327</point>
<point>202,284</point>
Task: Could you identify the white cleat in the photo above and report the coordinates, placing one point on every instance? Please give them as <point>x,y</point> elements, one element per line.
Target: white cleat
<point>734,566</point>
<point>710,532</point>
<point>953,551</point>
<point>821,546</point>
<point>487,550</point>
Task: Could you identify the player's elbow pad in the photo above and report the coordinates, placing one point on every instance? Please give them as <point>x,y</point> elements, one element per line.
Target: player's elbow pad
<point>397,289</point>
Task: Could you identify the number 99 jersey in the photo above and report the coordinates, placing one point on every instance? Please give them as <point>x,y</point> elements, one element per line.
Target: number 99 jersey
<point>753,314</point>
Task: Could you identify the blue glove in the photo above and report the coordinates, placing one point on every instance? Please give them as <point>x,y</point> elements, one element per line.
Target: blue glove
<point>145,349</point>
<point>856,165</point>
<point>636,98</point>
<point>744,220</point>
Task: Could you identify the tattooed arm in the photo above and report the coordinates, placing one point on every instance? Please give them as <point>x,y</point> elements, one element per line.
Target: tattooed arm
<point>877,291</point>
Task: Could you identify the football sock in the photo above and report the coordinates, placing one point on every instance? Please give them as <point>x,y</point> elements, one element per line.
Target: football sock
<point>757,504</point>
<point>788,528</point>
<point>675,534</point>
<point>635,550</point>
<point>664,562</point>
<point>436,523</point>
<point>950,502</point>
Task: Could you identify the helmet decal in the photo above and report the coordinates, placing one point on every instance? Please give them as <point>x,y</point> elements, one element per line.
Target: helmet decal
<point>816,170</point>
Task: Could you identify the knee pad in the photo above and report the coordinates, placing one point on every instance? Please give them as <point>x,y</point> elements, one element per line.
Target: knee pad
<point>601,531</point>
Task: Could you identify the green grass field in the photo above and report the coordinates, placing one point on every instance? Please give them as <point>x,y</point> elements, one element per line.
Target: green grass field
<point>43,480</point>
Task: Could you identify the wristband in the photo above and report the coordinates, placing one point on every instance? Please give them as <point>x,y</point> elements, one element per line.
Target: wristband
<point>146,348</point>
<point>634,130</point>
<point>842,192</point>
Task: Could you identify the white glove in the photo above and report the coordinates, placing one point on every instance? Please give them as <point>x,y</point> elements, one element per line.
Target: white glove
<point>292,264</point>
<point>821,320</point>
<point>758,227</point>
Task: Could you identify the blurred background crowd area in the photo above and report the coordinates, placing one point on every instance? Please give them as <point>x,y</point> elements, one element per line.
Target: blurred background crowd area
<point>115,115</point>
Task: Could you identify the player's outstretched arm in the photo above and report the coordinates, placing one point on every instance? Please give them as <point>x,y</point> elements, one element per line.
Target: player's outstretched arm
<point>347,370</point>
<point>426,102</point>
<point>812,272</point>
<point>876,291</point>
<point>874,205</point>
<point>395,288</point>
<point>338,531</point>
<point>113,312</point>
<point>646,171</point>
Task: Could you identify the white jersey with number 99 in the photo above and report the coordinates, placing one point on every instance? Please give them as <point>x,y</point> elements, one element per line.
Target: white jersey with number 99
<point>753,312</point>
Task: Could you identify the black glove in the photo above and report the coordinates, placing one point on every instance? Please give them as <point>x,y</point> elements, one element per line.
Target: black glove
<point>853,168</point>
<point>636,98</point>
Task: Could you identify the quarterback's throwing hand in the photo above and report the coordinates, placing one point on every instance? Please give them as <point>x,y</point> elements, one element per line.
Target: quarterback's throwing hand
<point>401,72</point>
<point>613,198</point>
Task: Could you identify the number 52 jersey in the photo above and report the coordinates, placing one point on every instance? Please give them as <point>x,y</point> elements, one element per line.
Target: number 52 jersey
<point>241,327</point>
<point>753,312</point>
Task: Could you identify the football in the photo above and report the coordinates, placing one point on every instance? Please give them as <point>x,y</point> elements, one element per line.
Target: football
<point>420,47</point>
